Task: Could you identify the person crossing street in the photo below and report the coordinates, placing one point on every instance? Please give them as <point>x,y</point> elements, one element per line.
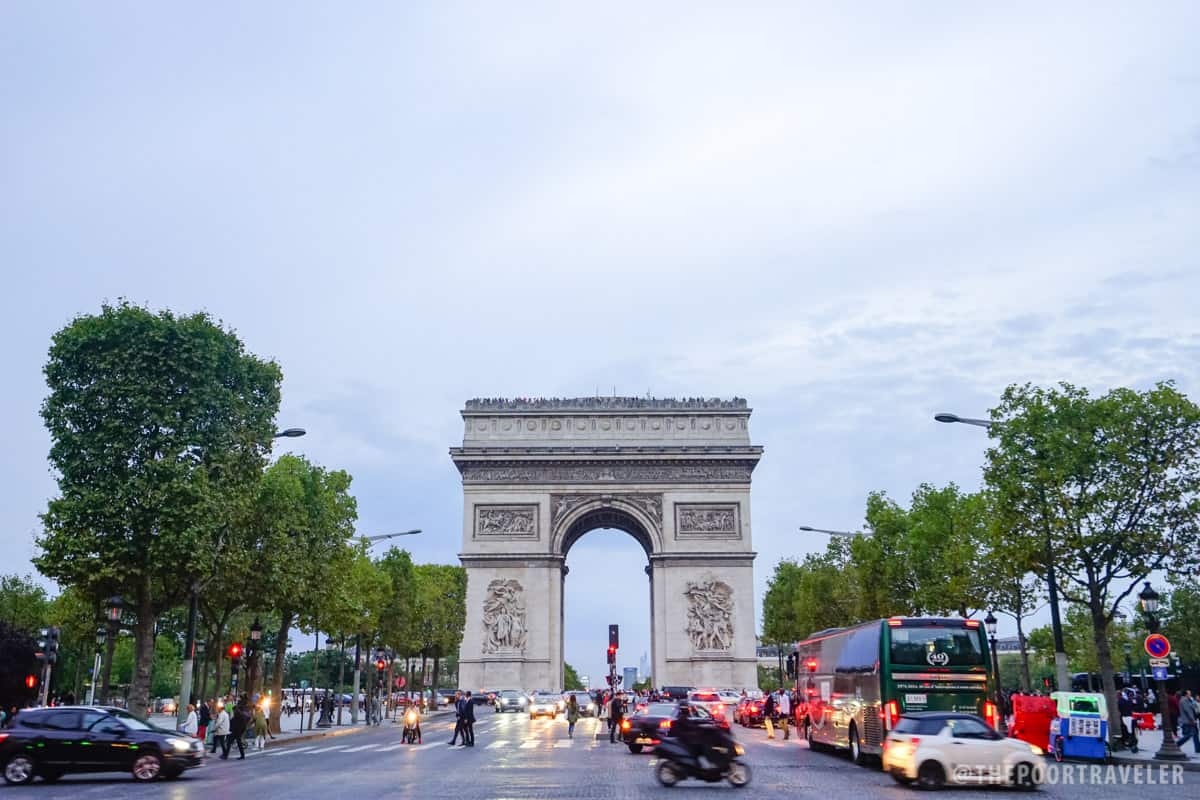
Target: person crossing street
<point>468,721</point>
<point>458,719</point>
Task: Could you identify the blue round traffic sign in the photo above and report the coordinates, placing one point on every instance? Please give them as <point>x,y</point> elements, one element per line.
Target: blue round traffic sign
<point>1157,645</point>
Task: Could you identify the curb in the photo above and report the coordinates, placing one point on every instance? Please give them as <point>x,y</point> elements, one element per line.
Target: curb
<point>1191,765</point>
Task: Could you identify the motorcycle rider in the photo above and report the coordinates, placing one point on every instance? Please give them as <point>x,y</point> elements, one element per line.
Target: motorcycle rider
<point>702,738</point>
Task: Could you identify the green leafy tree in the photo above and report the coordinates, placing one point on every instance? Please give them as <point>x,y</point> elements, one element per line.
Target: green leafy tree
<point>1181,622</point>
<point>306,517</point>
<point>571,682</point>
<point>159,427</point>
<point>441,606</point>
<point>1007,581</point>
<point>23,603</point>
<point>1112,481</point>
<point>814,594</point>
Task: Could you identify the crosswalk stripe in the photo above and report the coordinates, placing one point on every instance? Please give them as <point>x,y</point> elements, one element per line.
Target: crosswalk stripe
<point>529,745</point>
<point>289,750</point>
<point>564,743</point>
<point>425,746</point>
<point>327,749</point>
<point>391,747</point>
<point>496,744</point>
<point>361,747</point>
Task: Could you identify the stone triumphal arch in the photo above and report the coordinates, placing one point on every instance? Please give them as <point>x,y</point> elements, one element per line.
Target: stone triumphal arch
<point>674,474</point>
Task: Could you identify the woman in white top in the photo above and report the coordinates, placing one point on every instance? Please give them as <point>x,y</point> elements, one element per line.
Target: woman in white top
<point>192,724</point>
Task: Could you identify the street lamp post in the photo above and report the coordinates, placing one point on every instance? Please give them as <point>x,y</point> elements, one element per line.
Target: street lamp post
<point>113,607</point>
<point>254,656</point>
<point>846,534</point>
<point>101,638</point>
<point>1060,651</point>
<point>1169,750</point>
<point>989,622</point>
<point>1127,648</point>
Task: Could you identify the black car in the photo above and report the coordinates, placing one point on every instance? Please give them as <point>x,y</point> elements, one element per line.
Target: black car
<point>749,712</point>
<point>674,694</point>
<point>50,742</point>
<point>651,725</point>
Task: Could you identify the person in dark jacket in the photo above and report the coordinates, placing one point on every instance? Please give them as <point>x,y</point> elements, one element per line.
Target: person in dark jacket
<point>468,720</point>
<point>237,728</point>
<point>617,714</point>
<point>204,715</point>
<point>458,719</point>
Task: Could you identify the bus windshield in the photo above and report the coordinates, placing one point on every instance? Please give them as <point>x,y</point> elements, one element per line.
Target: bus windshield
<point>936,647</point>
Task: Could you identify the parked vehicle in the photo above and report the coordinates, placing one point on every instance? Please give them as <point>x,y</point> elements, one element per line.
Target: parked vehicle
<point>891,667</point>
<point>48,743</point>
<point>933,748</point>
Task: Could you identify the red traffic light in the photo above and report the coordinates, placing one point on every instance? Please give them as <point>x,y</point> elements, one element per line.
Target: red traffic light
<point>380,664</point>
<point>30,681</point>
<point>235,650</point>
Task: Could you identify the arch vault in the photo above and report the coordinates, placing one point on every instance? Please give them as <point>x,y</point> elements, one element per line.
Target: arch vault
<point>674,474</point>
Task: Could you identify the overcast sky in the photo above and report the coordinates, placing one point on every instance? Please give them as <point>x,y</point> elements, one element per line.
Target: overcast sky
<point>853,215</point>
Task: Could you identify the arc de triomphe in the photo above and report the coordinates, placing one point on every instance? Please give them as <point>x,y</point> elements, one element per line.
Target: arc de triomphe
<point>674,474</point>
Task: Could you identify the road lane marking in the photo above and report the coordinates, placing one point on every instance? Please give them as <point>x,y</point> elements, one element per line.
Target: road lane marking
<point>327,749</point>
<point>494,745</point>
<point>391,747</point>
<point>361,747</point>
<point>290,750</point>
<point>564,743</point>
<point>530,744</point>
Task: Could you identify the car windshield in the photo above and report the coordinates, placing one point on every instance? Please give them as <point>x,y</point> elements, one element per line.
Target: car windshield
<point>936,647</point>
<point>132,722</point>
<point>510,695</point>
<point>926,727</point>
<point>660,710</point>
<point>547,698</point>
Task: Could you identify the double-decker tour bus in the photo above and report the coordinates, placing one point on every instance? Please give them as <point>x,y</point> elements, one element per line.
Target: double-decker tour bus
<point>852,684</point>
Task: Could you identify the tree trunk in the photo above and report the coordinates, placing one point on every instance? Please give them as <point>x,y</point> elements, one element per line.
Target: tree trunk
<point>217,645</point>
<point>436,663</point>
<point>208,649</point>
<point>1025,681</point>
<point>285,622</point>
<point>1100,622</point>
<point>341,687</point>
<point>143,654</point>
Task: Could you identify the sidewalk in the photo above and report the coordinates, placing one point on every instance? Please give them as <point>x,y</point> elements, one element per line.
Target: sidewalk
<point>1148,744</point>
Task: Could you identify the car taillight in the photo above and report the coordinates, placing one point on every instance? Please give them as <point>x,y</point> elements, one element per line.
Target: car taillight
<point>719,709</point>
<point>989,713</point>
<point>753,709</point>
<point>3,736</point>
<point>625,725</point>
<point>889,714</point>
<point>665,724</point>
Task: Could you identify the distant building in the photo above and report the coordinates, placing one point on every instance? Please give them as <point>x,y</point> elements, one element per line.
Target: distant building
<point>631,677</point>
<point>644,667</point>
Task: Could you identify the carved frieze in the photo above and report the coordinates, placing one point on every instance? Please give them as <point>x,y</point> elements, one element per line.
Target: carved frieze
<point>491,472</point>
<point>707,521</point>
<point>563,504</point>
<point>710,614</point>
<point>506,522</point>
<point>504,629</point>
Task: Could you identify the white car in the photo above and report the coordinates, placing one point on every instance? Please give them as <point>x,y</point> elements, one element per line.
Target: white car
<point>932,748</point>
<point>544,705</point>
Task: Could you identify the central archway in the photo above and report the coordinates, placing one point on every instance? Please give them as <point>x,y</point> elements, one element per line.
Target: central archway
<point>601,513</point>
<point>675,475</point>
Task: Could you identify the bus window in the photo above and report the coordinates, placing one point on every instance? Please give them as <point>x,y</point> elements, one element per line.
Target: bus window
<point>936,647</point>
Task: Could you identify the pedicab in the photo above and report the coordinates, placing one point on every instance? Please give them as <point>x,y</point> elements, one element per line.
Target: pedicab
<point>1081,727</point>
<point>1032,715</point>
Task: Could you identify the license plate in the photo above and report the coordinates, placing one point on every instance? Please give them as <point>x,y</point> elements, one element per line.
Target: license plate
<point>916,699</point>
<point>643,740</point>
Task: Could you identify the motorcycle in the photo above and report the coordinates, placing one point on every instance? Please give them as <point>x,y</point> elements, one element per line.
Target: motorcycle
<point>676,762</point>
<point>412,727</point>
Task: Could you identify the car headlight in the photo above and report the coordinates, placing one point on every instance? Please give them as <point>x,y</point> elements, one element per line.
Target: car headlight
<point>1037,751</point>
<point>738,750</point>
<point>180,745</point>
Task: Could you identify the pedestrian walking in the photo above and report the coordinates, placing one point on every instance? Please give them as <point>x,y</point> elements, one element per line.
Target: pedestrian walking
<point>615,716</point>
<point>192,723</point>
<point>468,720</point>
<point>1169,725</point>
<point>1189,712</point>
<point>261,728</point>
<point>237,728</point>
<point>204,718</point>
<point>769,714</point>
<point>458,719</point>
<point>220,731</point>
<point>783,707</point>
<point>572,715</point>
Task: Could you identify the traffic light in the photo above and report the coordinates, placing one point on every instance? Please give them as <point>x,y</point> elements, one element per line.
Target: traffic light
<point>31,681</point>
<point>612,654</point>
<point>380,664</point>
<point>48,645</point>
<point>614,637</point>
<point>235,655</point>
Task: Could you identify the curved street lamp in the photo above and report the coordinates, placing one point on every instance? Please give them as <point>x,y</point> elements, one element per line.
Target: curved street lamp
<point>290,433</point>
<point>851,534</point>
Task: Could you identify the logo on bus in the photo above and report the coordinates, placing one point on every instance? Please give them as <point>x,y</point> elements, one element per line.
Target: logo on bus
<point>938,659</point>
